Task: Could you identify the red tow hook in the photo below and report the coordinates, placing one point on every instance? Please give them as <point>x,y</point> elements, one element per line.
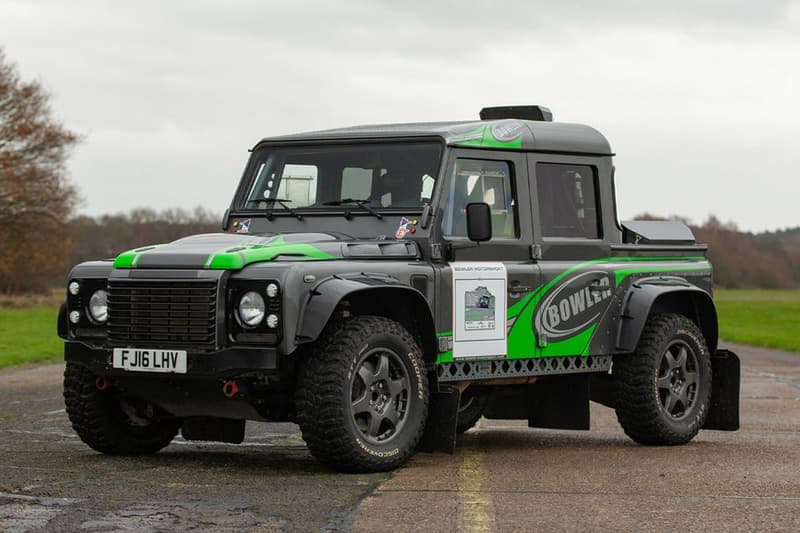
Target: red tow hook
<point>230,389</point>
<point>102,383</point>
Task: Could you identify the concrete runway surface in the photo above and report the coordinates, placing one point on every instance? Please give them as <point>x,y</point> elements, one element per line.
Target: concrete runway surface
<point>503,477</point>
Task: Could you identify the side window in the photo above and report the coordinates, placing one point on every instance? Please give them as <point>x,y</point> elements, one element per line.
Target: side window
<point>478,180</point>
<point>567,197</point>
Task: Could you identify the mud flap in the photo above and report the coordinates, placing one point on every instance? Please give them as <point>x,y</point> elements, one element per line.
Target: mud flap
<point>723,412</point>
<point>209,428</point>
<point>560,402</point>
<point>440,428</point>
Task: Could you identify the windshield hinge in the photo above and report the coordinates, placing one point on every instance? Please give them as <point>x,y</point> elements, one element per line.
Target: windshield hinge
<point>425,216</point>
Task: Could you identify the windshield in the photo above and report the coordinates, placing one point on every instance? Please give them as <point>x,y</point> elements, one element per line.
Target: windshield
<point>376,176</point>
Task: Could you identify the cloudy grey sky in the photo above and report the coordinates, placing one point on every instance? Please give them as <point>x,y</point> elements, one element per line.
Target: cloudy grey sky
<point>699,99</point>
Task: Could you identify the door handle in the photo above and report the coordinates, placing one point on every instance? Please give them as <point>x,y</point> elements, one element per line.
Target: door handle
<point>516,289</point>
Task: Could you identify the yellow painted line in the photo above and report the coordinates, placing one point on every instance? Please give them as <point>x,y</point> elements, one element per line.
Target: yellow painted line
<point>475,506</point>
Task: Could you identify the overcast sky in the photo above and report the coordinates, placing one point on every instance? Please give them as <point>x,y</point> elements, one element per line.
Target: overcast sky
<point>699,99</point>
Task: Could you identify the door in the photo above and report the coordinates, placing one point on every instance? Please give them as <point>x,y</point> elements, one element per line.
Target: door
<point>577,277</point>
<point>489,282</point>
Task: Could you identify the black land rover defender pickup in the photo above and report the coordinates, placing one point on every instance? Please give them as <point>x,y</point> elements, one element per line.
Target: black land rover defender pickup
<point>386,286</point>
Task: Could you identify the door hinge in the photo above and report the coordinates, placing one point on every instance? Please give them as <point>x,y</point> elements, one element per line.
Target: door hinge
<point>536,251</point>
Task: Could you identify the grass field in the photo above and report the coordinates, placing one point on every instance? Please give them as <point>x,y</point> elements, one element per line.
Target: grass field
<point>760,317</point>
<point>29,336</point>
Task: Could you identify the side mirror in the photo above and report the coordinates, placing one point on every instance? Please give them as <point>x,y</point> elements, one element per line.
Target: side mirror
<point>479,222</point>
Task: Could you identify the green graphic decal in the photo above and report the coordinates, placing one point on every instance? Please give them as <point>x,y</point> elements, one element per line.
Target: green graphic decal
<point>522,337</point>
<point>233,257</point>
<point>131,257</point>
<point>266,252</point>
<point>487,136</point>
<point>445,357</point>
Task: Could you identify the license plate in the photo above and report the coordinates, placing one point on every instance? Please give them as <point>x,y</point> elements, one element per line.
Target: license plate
<point>141,360</point>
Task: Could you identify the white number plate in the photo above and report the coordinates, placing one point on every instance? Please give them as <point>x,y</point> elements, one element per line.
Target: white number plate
<point>141,360</point>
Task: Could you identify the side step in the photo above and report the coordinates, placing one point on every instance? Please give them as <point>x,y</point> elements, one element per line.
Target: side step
<point>511,368</point>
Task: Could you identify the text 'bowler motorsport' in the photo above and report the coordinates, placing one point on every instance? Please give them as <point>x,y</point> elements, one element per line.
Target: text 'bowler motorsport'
<point>386,286</point>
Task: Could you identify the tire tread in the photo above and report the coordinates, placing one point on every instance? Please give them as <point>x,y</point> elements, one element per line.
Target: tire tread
<point>320,412</point>
<point>636,408</point>
<point>99,421</point>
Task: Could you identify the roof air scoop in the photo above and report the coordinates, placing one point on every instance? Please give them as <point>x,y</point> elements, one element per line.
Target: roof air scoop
<point>521,112</point>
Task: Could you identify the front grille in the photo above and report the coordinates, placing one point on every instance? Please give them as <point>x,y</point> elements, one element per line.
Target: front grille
<point>169,314</point>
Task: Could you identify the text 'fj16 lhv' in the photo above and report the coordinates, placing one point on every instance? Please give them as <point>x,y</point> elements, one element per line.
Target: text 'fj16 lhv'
<point>386,286</point>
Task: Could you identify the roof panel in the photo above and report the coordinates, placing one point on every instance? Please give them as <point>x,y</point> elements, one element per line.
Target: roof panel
<point>505,134</point>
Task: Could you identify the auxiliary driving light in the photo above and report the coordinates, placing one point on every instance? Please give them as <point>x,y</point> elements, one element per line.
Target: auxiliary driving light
<point>272,290</point>
<point>251,309</point>
<point>74,288</point>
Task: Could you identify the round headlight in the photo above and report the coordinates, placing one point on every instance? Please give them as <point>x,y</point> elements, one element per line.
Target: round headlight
<point>74,316</point>
<point>272,321</point>
<point>272,290</point>
<point>74,288</point>
<point>98,305</point>
<point>251,309</point>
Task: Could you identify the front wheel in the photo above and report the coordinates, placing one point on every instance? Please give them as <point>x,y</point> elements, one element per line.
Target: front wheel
<point>110,423</point>
<point>362,396</point>
<point>663,390</point>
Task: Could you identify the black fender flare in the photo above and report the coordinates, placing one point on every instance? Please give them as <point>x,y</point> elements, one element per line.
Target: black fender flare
<point>665,295</point>
<point>390,298</point>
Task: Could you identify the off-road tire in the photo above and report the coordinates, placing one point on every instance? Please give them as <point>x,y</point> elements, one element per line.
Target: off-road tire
<point>642,383</point>
<point>330,375</point>
<point>470,410</point>
<point>99,420</point>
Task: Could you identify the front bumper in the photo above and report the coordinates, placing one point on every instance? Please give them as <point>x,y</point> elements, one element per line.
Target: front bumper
<point>224,363</point>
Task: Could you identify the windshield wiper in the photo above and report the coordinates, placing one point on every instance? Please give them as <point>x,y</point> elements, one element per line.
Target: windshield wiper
<point>284,204</point>
<point>359,203</point>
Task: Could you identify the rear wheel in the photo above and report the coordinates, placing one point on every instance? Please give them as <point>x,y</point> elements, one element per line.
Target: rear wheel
<point>663,390</point>
<point>362,396</point>
<point>470,410</point>
<point>110,423</point>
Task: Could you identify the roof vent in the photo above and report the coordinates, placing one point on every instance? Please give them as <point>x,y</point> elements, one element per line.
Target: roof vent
<point>522,112</point>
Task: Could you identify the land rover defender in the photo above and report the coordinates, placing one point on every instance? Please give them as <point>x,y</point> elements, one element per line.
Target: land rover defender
<point>387,286</point>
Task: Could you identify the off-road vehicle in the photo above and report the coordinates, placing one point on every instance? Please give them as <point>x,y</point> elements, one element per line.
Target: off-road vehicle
<point>386,286</point>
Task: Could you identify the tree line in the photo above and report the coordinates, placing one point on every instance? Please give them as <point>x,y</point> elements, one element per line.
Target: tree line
<point>38,262</point>
<point>746,260</point>
<point>768,260</point>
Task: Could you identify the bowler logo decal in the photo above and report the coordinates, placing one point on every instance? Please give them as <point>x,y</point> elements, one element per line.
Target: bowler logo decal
<point>507,131</point>
<point>573,306</point>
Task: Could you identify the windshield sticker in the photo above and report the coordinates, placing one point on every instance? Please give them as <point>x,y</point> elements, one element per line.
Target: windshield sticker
<point>404,228</point>
<point>241,227</point>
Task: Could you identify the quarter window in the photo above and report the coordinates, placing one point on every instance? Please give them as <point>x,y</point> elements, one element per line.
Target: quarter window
<point>567,196</point>
<point>478,180</point>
